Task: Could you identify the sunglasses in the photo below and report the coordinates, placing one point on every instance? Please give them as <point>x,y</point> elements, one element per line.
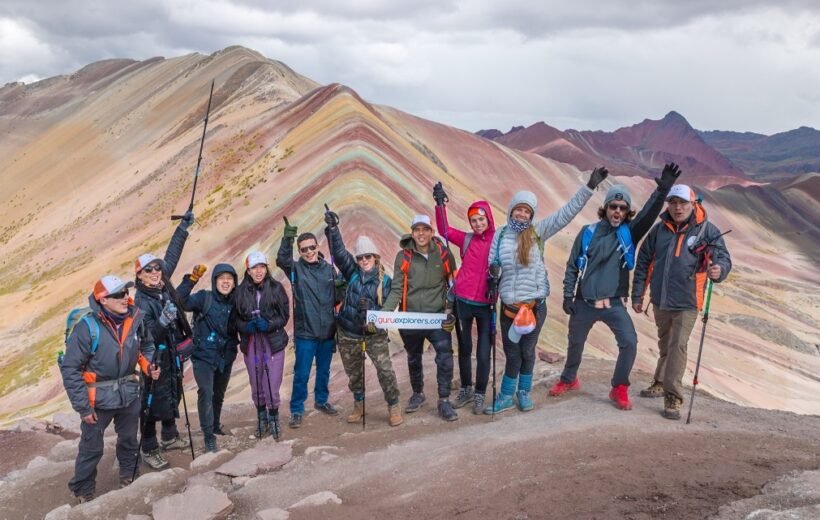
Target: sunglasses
<point>619,207</point>
<point>307,248</point>
<point>118,296</point>
<point>152,268</point>
<point>364,257</point>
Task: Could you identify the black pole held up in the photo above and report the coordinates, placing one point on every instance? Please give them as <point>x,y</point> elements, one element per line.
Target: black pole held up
<point>199,159</point>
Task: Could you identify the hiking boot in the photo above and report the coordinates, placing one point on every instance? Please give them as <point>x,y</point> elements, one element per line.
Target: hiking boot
<point>415,402</point>
<point>177,443</point>
<point>88,497</point>
<point>395,414</point>
<point>262,424</point>
<point>218,430</point>
<point>478,404</point>
<point>295,420</point>
<point>327,408</point>
<point>357,413</point>
<point>275,426</point>
<point>503,402</point>
<point>127,481</point>
<point>210,444</point>
<point>560,388</point>
<point>154,459</point>
<point>620,396</point>
<point>465,395</point>
<point>524,401</point>
<point>654,390</point>
<point>446,410</point>
<point>671,407</point>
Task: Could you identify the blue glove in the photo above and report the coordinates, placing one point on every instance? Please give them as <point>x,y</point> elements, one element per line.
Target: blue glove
<point>261,324</point>
<point>187,220</point>
<point>250,327</point>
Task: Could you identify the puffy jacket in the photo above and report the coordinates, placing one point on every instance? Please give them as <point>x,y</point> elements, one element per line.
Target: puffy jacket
<point>427,280</point>
<point>471,279</point>
<point>360,284</point>
<point>276,312</point>
<point>520,283</point>
<point>116,357</point>
<point>605,275</point>
<point>215,334</point>
<point>314,292</point>
<point>676,279</point>
<point>167,390</point>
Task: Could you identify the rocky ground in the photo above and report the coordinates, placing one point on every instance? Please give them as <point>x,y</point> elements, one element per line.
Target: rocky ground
<point>572,457</point>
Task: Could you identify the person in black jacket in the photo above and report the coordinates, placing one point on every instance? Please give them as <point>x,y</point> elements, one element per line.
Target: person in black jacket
<point>168,326</point>
<point>314,325</point>
<point>215,342</point>
<point>261,313</point>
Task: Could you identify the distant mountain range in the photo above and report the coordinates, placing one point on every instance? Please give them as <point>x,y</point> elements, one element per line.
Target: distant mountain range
<point>710,159</point>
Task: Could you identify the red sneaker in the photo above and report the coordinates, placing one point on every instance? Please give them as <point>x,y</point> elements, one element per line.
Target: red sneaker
<point>620,395</point>
<point>560,388</point>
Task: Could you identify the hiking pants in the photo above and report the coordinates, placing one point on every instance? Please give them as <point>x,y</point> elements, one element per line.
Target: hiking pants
<point>306,351</point>
<point>618,321</point>
<point>481,314</point>
<point>149,432</point>
<point>521,355</point>
<point>378,350</point>
<point>674,328</point>
<point>211,385</point>
<point>90,449</point>
<point>443,345</point>
<point>265,374</point>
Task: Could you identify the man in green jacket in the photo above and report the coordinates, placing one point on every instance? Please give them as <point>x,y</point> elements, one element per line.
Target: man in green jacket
<point>421,276</point>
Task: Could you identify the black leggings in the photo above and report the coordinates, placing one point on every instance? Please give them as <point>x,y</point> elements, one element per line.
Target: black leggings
<point>482,316</point>
<point>521,355</point>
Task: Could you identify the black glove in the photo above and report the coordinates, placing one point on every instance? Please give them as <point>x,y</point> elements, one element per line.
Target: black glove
<point>669,175</point>
<point>331,219</point>
<point>291,232</point>
<point>168,314</point>
<point>187,220</point>
<point>569,306</point>
<point>438,194</point>
<point>492,282</point>
<point>597,177</point>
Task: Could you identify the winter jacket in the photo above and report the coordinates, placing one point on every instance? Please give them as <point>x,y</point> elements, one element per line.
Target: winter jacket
<point>314,291</point>
<point>117,355</point>
<point>605,275</point>
<point>276,311</point>
<point>167,390</point>
<point>519,283</point>
<point>471,279</point>
<point>427,278</point>
<point>360,284</point>
<point>676,278</point>
<point>215,334</point>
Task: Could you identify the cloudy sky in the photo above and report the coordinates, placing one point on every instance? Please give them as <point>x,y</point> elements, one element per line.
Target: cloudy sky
<point>743,65</point>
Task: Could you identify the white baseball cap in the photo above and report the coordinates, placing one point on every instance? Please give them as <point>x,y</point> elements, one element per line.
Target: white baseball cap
<point>421,220</point>
<point>256,258</point>
<point>681,191</point>
<point>109,284</point>
<point>144,260</point>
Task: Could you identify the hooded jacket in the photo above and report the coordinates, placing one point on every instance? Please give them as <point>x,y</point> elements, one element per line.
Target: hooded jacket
<point>314,291</point>
<point>677,281</point>
<point>215,334</point>
<point>360,285</point>
<point>525,283</point>
<point>471,279</point>
<point>116,357</point>
<point>427,281</point>
<point>605,275</point>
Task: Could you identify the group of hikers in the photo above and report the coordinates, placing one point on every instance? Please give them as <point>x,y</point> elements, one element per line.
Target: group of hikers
<point>331,299</point>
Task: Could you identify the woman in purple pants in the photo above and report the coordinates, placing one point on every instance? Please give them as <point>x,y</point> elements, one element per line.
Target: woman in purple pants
<point>262,310</point>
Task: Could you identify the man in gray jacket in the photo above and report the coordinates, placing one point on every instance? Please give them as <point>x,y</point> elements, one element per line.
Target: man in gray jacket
<point>100,378</point>
<point>596,282</point>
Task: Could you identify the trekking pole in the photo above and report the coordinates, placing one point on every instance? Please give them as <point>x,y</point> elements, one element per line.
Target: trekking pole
<point>700,349</point>
<point>459,329</point>
<point>199,160</point>
<point>258,383</point>
<point>493,316</point>
<point>269,405</point>
<point>147,413</point>
<point>184,401</point>
<point>363,305</point>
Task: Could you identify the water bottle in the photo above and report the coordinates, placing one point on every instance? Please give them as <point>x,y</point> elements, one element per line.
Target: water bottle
<point>212,337</point>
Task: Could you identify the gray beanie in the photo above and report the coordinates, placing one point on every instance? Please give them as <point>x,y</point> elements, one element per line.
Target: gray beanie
<point>365,246</point>
<point>618,192</point>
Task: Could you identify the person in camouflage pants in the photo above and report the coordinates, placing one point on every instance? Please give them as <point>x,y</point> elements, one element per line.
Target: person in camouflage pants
<point>367,287</point>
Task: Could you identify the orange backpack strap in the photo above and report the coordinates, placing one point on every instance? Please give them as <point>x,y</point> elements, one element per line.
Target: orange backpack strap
<point>89,378</point>
<point>405,268</point>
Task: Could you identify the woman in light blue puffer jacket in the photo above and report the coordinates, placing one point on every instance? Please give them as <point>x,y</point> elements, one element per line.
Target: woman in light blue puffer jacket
<point>518,250</point>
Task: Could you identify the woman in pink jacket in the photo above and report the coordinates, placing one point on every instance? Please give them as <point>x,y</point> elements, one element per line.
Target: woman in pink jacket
<point>471,301</point>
